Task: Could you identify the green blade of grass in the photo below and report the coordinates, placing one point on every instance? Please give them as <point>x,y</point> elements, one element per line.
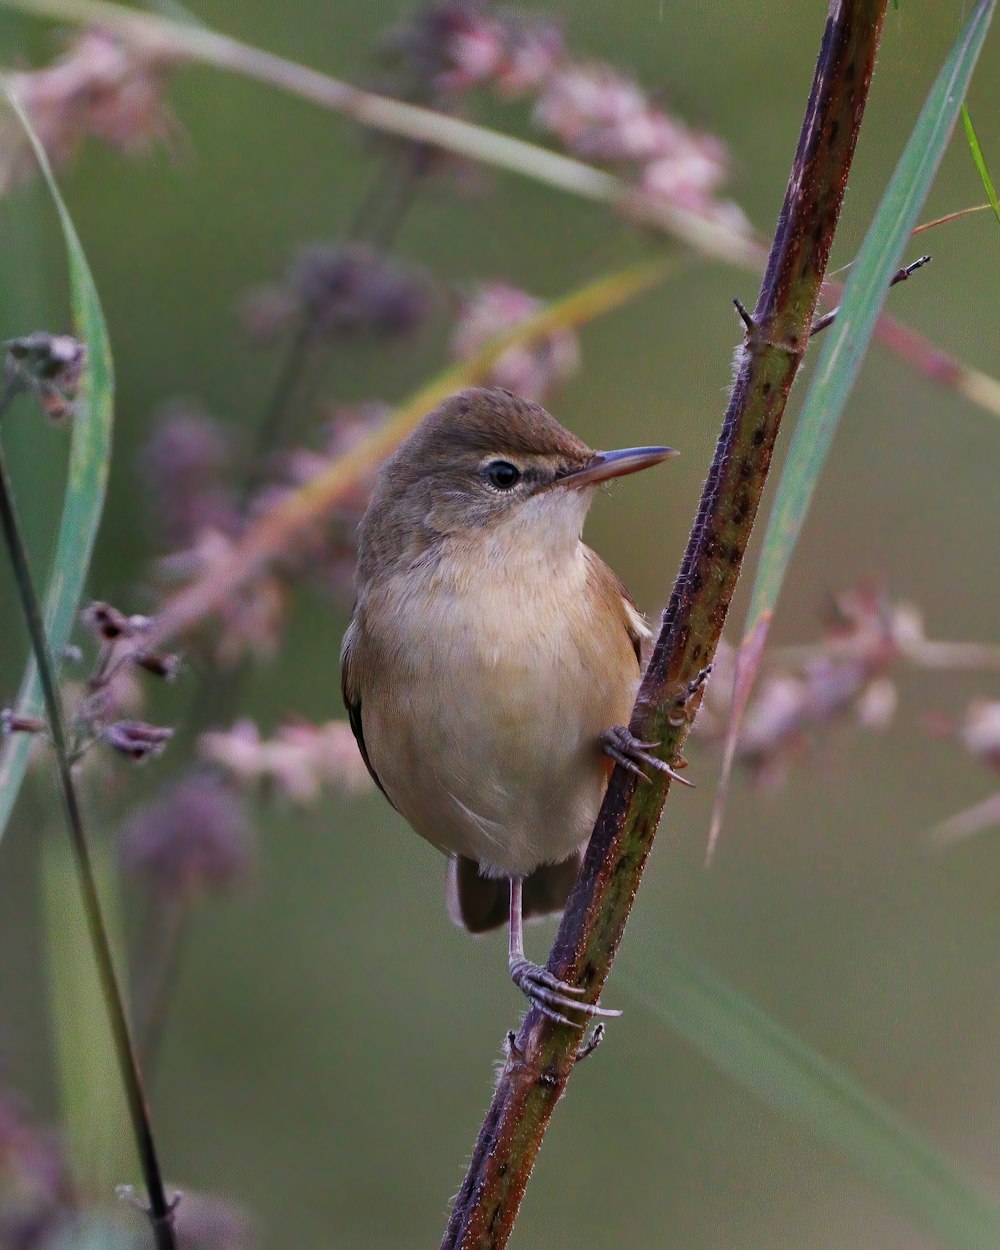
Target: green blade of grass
<point>841,357</point>
<point>83,503</point>
<point>94,1110</point>
<point>831,1104</point>
<point>980,161</point>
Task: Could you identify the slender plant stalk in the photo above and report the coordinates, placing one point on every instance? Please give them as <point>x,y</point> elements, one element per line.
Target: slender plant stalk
<point>160,1210</point>
<point>541,1057</point>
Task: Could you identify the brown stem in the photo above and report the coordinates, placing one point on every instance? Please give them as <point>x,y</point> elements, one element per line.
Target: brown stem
<point>541,1057</point>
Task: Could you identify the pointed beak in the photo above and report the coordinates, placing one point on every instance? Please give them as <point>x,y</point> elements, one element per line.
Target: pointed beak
<point>607,464</point>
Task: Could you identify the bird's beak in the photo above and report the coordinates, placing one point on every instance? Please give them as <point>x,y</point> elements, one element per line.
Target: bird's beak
<point>607,464</point>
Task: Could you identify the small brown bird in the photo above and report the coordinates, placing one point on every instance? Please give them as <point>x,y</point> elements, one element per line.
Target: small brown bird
<point>492,659</point>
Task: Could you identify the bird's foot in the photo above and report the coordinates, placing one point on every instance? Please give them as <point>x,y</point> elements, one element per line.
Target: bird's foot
<point>620,744</point>
<point>553,997</point>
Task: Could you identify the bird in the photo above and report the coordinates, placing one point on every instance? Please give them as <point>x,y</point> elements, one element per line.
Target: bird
<point>492,660</point>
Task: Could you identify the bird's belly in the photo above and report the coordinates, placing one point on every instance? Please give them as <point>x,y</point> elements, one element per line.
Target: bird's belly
<point>487,739</point>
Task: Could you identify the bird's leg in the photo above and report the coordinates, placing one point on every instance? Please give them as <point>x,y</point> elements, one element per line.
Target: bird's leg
<point>620,744</point>
<point>542,988</point>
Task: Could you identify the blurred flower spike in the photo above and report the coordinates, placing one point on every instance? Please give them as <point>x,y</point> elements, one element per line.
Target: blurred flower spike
<point>979,733</point>
<point>845,675</point>
<point>194,837</point>
<point>337,292</point>
<point>450,49</point>
<point>50,365</point>
<point>298,761</point>
<point>100,88</point>
<point>514,53</point>
<point>531,372</point>
<point>185,467</point>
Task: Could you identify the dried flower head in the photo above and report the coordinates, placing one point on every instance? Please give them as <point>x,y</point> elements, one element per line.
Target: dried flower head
<point>12,722</point>
<point>299,760</point>
<point>51,365</point>
<point>100,88</point>
<point>337,292</point>
<point>109,625</point>
<point>529,371</point>
<point>137,739</point>
<point>193,837</point>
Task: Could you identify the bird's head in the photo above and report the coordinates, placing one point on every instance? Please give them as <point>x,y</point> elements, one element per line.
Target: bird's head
<point>485,463</point>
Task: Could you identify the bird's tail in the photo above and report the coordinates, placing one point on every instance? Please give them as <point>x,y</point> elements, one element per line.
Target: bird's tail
<point>483,903</point>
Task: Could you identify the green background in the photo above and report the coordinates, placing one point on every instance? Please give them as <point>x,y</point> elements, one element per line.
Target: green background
<point>332,1042</point>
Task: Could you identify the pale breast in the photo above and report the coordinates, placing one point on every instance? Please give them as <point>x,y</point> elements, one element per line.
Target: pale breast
<point>484,699</point>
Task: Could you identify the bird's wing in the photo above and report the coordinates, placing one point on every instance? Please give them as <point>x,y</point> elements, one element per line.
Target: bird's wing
<point>635,623</point>
<point>352,701</point>
<point>613,587</point>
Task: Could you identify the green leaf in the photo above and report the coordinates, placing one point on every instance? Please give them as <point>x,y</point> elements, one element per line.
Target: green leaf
<point>94,1110</point>
<point>980,161</point>
<point>844,348</point>
<point>83,503</point>
<point>830,1103</point>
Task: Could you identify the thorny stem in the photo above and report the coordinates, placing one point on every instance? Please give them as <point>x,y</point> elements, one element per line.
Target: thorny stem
<point>161,1209</point>
<point>539,1062</point>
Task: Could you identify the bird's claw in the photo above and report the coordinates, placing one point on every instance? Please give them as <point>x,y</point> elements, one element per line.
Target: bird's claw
<point>553,997</point>
<point>622,746</point>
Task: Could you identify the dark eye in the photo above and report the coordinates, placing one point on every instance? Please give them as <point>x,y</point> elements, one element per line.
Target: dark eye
<point>502,474</point>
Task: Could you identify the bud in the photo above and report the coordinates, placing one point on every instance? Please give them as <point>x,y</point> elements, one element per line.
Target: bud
<point>137,739</point>
<point>51,365</point>
<point>12,722</point>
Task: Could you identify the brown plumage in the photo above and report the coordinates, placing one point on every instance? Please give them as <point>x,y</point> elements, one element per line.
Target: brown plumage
<point>490,650</point>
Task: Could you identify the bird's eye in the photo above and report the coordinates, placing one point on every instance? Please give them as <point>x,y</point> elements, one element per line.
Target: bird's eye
<point>502,474</point>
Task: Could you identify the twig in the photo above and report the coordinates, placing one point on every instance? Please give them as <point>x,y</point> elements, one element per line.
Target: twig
<point>540,1062</point>
<point>161,1209</point>
<point>899,276</point>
